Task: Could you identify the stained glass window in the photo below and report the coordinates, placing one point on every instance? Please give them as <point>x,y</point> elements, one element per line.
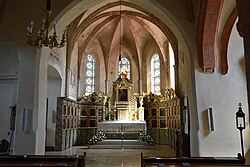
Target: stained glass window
<point>155,74</point>
<point>172,64</point>
<point>90,74</point>
<point>124,65</point>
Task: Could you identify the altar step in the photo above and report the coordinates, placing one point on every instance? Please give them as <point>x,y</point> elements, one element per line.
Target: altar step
<point>118,143</point>
<point>126,136</point>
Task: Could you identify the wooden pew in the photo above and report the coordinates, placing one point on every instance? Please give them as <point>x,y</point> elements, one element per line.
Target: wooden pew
<point>43,160</point>
<point>190,161</point>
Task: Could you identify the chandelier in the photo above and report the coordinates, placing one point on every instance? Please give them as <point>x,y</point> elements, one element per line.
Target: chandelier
<point>120,47</point>
<point>43,38</point>
<point>120,42</point>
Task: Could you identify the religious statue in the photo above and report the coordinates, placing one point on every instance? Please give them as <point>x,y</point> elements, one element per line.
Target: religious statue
<point>141,100</point>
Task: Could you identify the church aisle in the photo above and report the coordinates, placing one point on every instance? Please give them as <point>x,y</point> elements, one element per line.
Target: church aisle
<point>115,157</point>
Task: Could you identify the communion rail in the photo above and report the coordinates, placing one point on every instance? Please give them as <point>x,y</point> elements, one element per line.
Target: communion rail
<point>190,161</point>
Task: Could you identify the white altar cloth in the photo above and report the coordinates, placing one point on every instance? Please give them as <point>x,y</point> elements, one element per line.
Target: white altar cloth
<point>122,126</point>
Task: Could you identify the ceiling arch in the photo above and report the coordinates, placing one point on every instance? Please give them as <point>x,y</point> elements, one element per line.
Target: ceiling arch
<point>140,26</point>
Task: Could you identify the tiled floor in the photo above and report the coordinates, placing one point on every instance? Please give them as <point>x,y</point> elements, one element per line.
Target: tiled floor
<point>116,157</point>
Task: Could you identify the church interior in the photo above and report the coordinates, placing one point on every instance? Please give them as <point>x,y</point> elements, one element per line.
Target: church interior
<point>172,74</point>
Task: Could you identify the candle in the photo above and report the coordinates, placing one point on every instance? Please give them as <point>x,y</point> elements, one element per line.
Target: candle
<point>43,24</point>
<point>31,26</point>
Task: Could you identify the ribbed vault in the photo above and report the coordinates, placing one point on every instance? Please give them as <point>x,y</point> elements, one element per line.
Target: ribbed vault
<point>119,27</point>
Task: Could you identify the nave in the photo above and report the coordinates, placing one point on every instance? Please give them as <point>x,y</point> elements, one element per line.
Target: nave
<point>99,33</point>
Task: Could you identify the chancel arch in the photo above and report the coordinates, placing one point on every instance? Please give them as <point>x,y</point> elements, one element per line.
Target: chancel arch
<point>135,34</point>
<point>102,40</point>
<point>137,30</point>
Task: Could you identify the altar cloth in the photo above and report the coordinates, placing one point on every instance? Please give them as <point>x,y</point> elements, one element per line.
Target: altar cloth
<point>122,126</point>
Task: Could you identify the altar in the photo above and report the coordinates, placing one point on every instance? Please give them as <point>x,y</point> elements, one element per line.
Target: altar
<point>122,129</point>
<point>122,126</point>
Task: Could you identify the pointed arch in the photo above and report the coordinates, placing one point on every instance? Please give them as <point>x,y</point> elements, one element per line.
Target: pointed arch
<point>207,29</point>
<point>225,39</point>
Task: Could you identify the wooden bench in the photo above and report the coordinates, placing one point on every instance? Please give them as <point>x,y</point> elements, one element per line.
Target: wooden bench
<point>190,161</point>
<point>43,160</point>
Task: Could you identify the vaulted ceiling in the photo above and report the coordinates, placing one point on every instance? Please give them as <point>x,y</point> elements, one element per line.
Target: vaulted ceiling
<point>114,21</point>
<point>120,27</point>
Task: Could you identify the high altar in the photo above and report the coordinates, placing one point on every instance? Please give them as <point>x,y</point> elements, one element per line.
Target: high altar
<point>123,113</point>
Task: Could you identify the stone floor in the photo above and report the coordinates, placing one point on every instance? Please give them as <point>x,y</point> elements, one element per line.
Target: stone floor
<point>120,157</point>
<point>116,157</point>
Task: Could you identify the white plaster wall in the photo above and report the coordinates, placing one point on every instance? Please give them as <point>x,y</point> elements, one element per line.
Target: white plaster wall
<point>25,140</point>
<point>8,85</point>
<point>8,58</point>
<point>8,91</point>
<point>222,93</point>
<point>57,59</point>
<point>44,57</point>
<point>72,75</point>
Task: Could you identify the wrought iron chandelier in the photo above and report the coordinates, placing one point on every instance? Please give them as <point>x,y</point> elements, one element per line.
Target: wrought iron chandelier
<point>43,38</point>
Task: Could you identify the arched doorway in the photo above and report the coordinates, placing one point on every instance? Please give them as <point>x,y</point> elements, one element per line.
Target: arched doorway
<point>53,91</point>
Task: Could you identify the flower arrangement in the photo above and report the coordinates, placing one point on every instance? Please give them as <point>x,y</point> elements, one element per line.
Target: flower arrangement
<point>99,136</point>
<point>144,137</point>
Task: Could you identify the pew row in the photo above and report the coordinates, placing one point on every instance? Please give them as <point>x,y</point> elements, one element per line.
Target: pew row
<point>190,161</point>
<point>43,160</point>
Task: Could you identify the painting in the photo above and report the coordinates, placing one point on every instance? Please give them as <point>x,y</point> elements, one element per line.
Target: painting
<point>123,95</point>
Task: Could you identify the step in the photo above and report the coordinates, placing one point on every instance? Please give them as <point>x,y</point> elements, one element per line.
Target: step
<point>118,143</point>
<point>133,136</point>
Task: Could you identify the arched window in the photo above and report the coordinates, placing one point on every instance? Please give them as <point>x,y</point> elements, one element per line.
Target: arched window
<point>172,64</point>
<point>155,74</point>
<point>124,65</point>
<point>90,74</point>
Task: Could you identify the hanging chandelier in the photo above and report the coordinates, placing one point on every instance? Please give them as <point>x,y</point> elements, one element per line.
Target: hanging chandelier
<point>43,38</point>
<point>120,47</point>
